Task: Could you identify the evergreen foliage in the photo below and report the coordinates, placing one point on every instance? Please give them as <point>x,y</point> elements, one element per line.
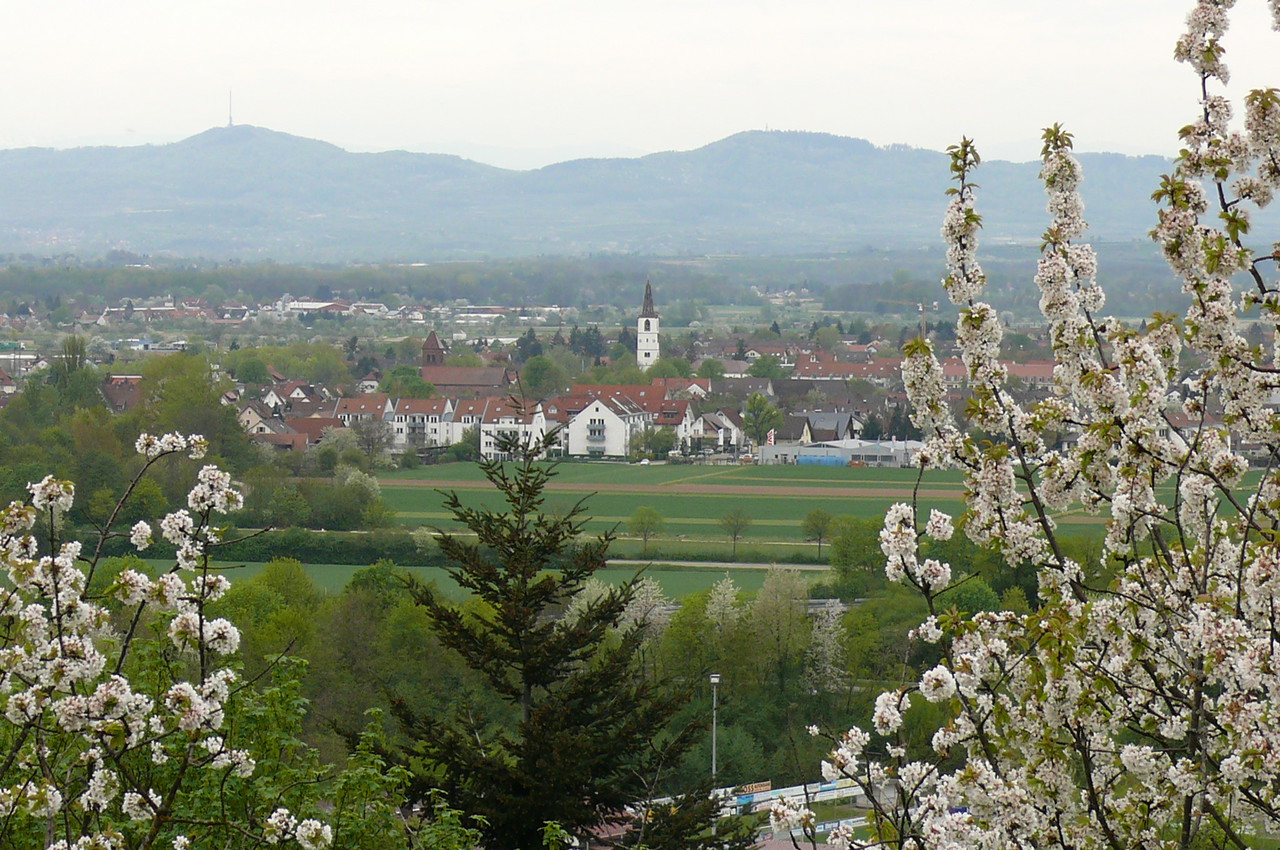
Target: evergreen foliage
<point>583,734</point>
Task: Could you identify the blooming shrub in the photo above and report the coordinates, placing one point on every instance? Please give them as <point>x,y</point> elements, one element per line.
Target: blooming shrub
<point>1137,706</point>
<point>115,730</point>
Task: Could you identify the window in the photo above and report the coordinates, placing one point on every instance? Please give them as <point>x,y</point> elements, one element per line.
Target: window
<point>646,324</point>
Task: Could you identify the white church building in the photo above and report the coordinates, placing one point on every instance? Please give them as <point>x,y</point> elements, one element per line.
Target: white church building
<point>647,332</point>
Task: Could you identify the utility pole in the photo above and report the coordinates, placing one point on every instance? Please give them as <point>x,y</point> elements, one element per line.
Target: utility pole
<point>715,682</point>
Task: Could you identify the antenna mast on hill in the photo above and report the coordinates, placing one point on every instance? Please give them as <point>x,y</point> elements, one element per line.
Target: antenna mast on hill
<point>230,121</point>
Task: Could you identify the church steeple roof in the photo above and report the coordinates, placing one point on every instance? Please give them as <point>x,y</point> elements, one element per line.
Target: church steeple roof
<point>433,351</point>
<point>647,311</point>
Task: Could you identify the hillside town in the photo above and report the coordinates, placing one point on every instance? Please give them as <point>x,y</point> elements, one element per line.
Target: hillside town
<point>826,398</point>
<point>829,398</point>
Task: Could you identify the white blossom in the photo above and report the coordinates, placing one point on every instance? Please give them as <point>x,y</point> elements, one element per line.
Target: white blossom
<point>1141,687</point>
<point>140,536</point>
<point>939,526</point>
<point>938,684</point>
<point>887,717</point>
<point>786,814</point>
<point>52,494</point>
<point>722,604</point>
<point>314,835</point>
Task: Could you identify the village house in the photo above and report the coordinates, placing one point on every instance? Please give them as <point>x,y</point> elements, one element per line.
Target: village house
<point>421,422</point>
<point>597,426</point>
<point>285,395</point>
<point>122,392</point>
<point>719,431</point>
<point>313,428</point>
<point>362,407</point>
<point>503,422</point>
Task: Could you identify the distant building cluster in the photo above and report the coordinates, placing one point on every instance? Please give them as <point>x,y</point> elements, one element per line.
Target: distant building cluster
<point>839,401</point>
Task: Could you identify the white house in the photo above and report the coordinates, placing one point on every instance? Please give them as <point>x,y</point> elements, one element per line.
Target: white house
<point>367,406</point>
<point>603,427</point>
<point>290,392</point>
<point>420,422</point>
<point>503,422</point>
<point>676,414</point>
<point>467,413</point>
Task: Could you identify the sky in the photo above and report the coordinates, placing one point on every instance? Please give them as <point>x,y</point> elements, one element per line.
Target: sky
<point>522,83</point>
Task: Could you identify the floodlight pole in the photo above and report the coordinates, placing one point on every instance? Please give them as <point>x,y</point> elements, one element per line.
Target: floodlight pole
<point>715,682</point>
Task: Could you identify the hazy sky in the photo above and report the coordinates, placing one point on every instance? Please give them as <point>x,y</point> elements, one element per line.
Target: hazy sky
<point>524,82</point>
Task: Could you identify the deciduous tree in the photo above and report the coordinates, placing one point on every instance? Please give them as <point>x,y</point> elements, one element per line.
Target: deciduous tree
<point>645,523</point>
<point>542,377</point>
<point>1136,707</point>
<point>124,725</point>
<point>767,366</point>
<point>735,524</point>
<point>760,417</point>
<point>817,526</point>
<point>373,437</point>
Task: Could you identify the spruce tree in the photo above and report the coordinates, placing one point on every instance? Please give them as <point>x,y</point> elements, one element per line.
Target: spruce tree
<point>581,733</point>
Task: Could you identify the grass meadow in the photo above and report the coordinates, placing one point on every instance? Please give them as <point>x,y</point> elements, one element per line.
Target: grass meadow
<point>677,582</point>
<point>691,499</point>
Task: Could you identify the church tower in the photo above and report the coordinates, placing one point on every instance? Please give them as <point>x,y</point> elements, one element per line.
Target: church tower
<point>647,331</point>
<point>432,351</point>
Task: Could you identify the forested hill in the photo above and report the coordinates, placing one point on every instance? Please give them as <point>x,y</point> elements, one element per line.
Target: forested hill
<point>254,193</point>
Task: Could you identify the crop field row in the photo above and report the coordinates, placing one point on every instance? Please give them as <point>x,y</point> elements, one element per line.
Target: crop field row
<point>773,517</point>
<point>691,499</point>
<point>677,582</point>
<point>663,474</point>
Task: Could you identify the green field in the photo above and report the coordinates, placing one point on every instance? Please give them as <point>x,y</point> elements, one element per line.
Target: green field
<point>691,499</point>
<point>677,582</point>
<point>604,472</point>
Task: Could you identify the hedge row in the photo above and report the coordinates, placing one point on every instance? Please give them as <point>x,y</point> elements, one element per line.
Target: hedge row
<point>362,548</point>
<point>316,547</point>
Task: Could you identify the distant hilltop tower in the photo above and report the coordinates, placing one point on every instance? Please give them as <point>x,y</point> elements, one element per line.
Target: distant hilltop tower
<point>647,331</point>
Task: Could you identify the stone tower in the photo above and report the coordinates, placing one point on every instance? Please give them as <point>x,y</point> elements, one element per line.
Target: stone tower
<point>432,351</point>
<point>647,331</point>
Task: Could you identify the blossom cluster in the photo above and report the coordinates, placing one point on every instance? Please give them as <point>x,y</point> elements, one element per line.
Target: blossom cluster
<point>310,834</point>
<point>76,718</point>
<point>1135,706</point>
<point>786,814</point>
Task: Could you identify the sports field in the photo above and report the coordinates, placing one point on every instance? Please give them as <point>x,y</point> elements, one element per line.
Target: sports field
<point>691,499</point>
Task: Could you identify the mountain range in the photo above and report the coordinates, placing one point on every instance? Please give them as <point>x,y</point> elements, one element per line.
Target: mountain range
<point>252,193</point>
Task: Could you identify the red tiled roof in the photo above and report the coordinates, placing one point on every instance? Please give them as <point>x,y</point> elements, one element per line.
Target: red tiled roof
<point>313,427</point>
<point>421,406</point>
<point>371,403</point>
